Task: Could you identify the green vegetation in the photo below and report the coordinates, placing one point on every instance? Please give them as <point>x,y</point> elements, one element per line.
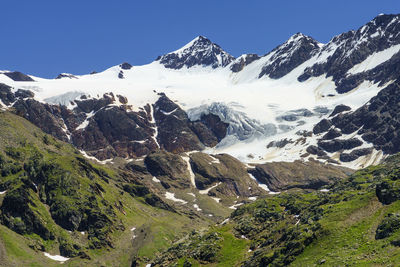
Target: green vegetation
<point>355,222</point>
<point>56,201</point>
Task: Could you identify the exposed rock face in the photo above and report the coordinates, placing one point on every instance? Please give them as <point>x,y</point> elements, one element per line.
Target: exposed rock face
<point>349,49</point>
<point>289,55</point>
<point>210,170</point>
<point>338,144</point>
<point>200,51</point>
<point>66,75</point>
<point>170,168</point>
<point>322,126</point>
<point>6,96</point>
<point>125,66</point>
<point>47,117</point>
<point>18,76</point>
<point>389,225</point>
<point>355,154</point>
<point>280,176</point>
<point>17,214</point>
<point>388,191</point>
<point>375,122</point>
<point>243,61</point>
<point>174,132</point>
<point>210,129</point>
<point>339,109</point>
<point>105,130</point>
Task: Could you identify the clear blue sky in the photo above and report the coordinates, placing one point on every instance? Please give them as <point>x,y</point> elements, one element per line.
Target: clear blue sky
<point>47,37</point>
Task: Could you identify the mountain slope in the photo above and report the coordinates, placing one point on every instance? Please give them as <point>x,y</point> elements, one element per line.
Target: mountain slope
<point>57,202</point>
<point>354,221</point>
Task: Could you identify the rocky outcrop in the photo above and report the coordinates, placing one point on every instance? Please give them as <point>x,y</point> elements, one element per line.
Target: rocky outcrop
<point>286,57</point>
<point>312,174</point>
<point>349,49</point>
<point>176,133</point>
<point>210,129</point>
<point>339,109</point>
<point>105,129</point>
<point>6,96</point>
<point>376,122</point>
<point>389,225</point>
<point>168,167</point>
<point>224,169</point>
<point>201,51</point>
<point>46,117</point>
<point>66,75</point>
<point>243,61</point>
<point>18,76</point>
<point>125,66</point>
<point>339,144</point>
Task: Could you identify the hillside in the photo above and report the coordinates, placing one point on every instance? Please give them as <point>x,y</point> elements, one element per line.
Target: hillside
<point>353,222</point>
<point>54,200</point>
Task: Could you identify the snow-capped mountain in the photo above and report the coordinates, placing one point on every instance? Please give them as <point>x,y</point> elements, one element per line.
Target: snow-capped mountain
<point>199,52</point>
<point>303,100</point>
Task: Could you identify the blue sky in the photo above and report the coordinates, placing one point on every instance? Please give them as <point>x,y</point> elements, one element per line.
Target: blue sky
<point>47,37</point>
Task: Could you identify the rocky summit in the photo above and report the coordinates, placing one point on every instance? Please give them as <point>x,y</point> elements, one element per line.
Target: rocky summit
<point>204,159</point>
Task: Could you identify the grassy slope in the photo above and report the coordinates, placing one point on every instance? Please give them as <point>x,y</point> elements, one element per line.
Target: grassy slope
<point>155,228</point>
<point>336,228</point>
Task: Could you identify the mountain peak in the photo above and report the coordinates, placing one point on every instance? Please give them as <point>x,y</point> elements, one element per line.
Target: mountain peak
<point>198,52</point>
<point>287,56</point>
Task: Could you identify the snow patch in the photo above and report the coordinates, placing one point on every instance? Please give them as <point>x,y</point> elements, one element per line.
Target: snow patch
<point>197,207</point>
<point>205,191</point>
<point>56,257</point>
<point>375,59</point>
<point>234,207</point>
<point>216,199</point>
<point>189,168</point>
<point>171,196</point>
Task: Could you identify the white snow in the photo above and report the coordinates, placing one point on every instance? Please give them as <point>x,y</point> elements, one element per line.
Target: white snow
<point>56,257</point>
<point>189,168</point>
<point>153,120</point>
<point>3,192</point>
<point>171,196</point>
<point>216,199</point>
<point>375,59</point>
<point>82,233</point>
<point>154,179</point>
<point>324,190</point>
<point>133,235</point>
<point>197,207</point>
<point>253,198</point>
<point>205,191</point>
<point>214,160</point>
<point>93,158</point>
<point>263,186</point>
<point>233,207</point>
<point>224,221</point>
<point>84,124</point>
<point>191,194</point>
